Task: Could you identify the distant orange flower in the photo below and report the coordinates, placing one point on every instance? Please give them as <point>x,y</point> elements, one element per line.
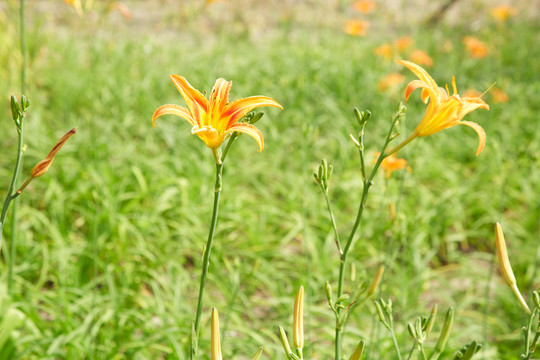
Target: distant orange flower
<point>421,58</point>
<point>477,49</point>
<point>356,27</point>
<point>499,96</point>
<point>365,6</point>
<point>122,9</point>
<point>215,119</point>
<point>443,111</point>
<point>503,12</point>
<point>403,43</point>
<point>472,93</point>
<point>390,164</point>
<point>391,80</point>
<point>385,51</point>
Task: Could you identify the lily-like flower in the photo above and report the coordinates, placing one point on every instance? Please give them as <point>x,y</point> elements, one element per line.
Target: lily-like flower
<point>443,110</point>
<point>214,120</point>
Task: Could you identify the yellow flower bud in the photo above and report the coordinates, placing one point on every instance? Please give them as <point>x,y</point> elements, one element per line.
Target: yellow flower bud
<point>376,281</point>
<point>506,268</point>
<point>357,354</point>
<point>298,320</point>
<point>215,344</point>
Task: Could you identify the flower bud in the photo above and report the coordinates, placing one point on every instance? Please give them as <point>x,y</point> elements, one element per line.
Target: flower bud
<point>328,291</point>
<point>43,166</point>
<point>284,341</point>
<point>445,332</point>
<point>15,110</point>
<point>298,320</point>
<point>357,354</point>
<point>215,343</point>
<point>258,354</point>
<point>376,281</point>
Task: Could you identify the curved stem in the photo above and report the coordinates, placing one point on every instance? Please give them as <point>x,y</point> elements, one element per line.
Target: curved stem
<point>334,224</point>
<point>208,249</point>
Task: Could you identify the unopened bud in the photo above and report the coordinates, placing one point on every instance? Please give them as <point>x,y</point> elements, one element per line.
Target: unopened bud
<point>284,341</point>
<point>431,319</point>
<point>258,354</point>
<point>328,291</point>
<point>43,166</point>
<point>445,332</point>
<point>215,343</point>
<point>357,354</point>
<point>536,299</point>
<point>15,110</point>
<point>376,281</point>
<point>298,320</point>
<point>256,117</point>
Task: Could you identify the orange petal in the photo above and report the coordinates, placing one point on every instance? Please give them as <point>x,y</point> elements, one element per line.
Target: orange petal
<point>220,94</point>
<point>173,109</point>
<point>196,101</point>
<point>481,134</point>
<point>422,75</point>
<point>249,129</point>
<point>238,108</point>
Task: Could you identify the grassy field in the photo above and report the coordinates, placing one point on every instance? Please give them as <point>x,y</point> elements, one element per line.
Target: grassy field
<point>109,242</point>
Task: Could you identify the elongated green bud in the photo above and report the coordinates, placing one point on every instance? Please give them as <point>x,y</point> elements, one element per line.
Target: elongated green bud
<point>25,103</point>
<point>431,320</point>
<point>15,110</point>
<point>357,354</point>
<point>380,313</point>
<point>284,341</point>
<point>298,320</point>
<point>445,334</point>
<point>536,299</point>
<point>258,354</point>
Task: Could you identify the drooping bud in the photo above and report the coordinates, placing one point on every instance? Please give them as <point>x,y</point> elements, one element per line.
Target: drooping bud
<point>298,320</point>
<point>506,267</point>
<point>376,281</point>
<point>43,166</point>
<point>215,343</point>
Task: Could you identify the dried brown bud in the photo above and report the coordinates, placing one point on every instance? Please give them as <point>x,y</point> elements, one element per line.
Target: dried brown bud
<point>43,166</point>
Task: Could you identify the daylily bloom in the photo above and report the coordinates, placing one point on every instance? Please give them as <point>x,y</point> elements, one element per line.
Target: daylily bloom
<point>421,58</point>
<point>390,164</point>
<point>385,51</point>
<point>365,6</point>
<point>356,27</point>
<point>390,81</point>
<point>443,110</point>
<point>476,48</point>
<point>503,12</point>
<point>403,43</point>
<point>214,120</point>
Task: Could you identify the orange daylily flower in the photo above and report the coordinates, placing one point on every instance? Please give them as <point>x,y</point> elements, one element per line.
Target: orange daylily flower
<point>391,80</point>
<point>390,164</point>
<point>421,58</point>
<point>403,43</point>
<point>385,51</point>
<point>443,110</point>
<point>472,93</point>
<point>499,96</point>
<point>356,27</point>
<point>503,12</point>
<point>214,120</point>
<point>365,6</point>
<point>476,48</point>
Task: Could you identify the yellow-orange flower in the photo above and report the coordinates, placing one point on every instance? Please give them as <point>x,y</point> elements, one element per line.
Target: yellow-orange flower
<point>443,110</point>
<point>499,96</point>
<point>365,6</point>
<point>385,51</point>
<point>214,120</point>
<point>391,80</point>
<point>356,27</point>
<point>421,58</point>
<point>391,163</point>
<point>503,12</point>
<point>403,43</point>
<point>472,93</point>
<point>476,48</point>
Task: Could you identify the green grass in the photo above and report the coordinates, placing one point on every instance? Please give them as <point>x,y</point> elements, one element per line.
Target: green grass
<point>111,239</point>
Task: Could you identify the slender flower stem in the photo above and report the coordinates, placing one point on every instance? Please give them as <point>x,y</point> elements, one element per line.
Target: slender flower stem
<point>396,343</point>
<point>405,142</point>
<point>208,248</point>
<point>367,184</point>
<point>334,225</point>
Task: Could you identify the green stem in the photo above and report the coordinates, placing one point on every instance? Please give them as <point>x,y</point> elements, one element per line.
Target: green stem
<point>367,184</point>
<point>334,224</point>
<point>405,142</point>
<point>22,19</point>
<point>395,342</point>
<point>207,250</point>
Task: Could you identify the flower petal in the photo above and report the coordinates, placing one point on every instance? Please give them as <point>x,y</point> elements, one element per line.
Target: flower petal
<point>480,131</point>
<point>250,130</point>
<point>423,76</point>
<point>173,109</point>
<point>220,94</point>
<point>196,101</point>
<point>238,108</point>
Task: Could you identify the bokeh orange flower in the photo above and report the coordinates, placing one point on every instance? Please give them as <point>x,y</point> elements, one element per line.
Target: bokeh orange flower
<point>477,49</point>
<point>356,27</point>
<point>385,51</point>
<point>503,12</point>
<point>499,96</point>
<point>365,6</point>
<point>443,110</point>
<point>390,164</point>
<point>216,119</point>
<point>472,93</point>
<point>403,43</point>
<point>391,80</point>
<point>421,58</point>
